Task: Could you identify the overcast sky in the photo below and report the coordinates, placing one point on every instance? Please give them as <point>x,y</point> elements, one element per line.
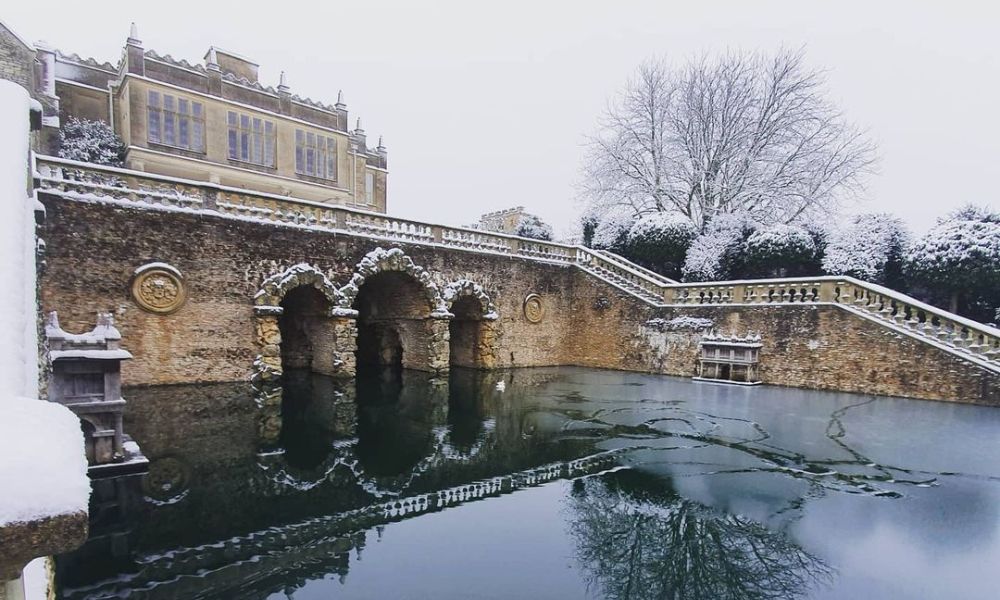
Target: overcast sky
<point>484,105</point>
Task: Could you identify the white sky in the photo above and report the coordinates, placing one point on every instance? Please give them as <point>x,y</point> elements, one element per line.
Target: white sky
<point>484,105</point>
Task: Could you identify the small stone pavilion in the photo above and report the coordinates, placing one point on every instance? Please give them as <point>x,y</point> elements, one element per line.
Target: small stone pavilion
<point>729,359</point>
<point>86,378</point>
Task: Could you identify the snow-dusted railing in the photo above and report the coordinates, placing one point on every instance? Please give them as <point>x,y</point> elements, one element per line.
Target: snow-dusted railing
<point>612,257</point>
<point>88,181</point>
<point>967,337</point>
<point>620,271</point>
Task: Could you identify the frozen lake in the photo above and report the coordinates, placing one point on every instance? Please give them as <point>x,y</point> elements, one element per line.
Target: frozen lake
<point>556,483</point>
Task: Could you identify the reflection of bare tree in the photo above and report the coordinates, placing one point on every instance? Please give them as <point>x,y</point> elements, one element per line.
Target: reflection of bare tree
<point>640,542</point>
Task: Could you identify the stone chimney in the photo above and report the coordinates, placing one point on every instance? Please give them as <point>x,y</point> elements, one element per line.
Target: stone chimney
<point>284,95</point>
<point>214,72</point>
<point>358,137</point>
<point>134,57</point>
<point>232,63</point>
<point>341,109</point>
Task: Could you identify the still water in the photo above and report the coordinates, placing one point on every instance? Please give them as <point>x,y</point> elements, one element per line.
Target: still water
<point>544,483</point>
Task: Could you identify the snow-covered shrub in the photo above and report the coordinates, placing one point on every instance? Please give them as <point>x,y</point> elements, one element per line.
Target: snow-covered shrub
<point>870,247</point>
<point>612,228</point>
<point>530,226</point>
<point>958,262</point>
<point>715,254</point>
<point>91,141</point>
<point>780,250</point>
<point>659,241</point>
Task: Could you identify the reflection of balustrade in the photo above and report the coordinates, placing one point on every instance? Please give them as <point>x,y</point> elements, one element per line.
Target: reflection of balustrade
<point>95,182</point>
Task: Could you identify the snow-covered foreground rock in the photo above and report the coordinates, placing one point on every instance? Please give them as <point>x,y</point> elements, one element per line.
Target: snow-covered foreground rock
<point>43,464</point>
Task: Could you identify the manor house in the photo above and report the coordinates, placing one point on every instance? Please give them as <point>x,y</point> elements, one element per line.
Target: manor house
<point>212,121</point>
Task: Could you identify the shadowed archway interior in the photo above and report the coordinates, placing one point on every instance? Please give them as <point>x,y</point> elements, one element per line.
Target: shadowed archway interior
<point>393,317</point>
<point>307,333</point>
<point>466,332</point>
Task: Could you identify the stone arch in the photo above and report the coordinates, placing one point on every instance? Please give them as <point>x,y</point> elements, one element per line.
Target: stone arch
<point>273,289</point>
<point>332,329</point>
<point>473,327</point>
<point>381,260</point>
<point>402,319</point>
<point>460,288</point>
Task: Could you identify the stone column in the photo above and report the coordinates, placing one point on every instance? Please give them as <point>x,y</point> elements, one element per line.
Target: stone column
<point>486,357</point>
<point>269,342</point>
<point>345,329</point>
<point>438,343</point>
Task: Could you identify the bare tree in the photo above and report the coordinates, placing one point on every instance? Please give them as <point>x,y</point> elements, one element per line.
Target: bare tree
<point>748,133</point>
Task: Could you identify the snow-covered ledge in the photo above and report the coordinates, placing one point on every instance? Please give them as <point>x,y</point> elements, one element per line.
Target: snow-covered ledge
<point>43,466</point>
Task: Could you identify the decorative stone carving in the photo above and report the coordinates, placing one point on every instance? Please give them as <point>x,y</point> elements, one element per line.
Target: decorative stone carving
<point>534,309</point>
<point>158,288</point>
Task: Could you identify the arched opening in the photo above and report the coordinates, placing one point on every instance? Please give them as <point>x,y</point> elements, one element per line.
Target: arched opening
<point>466,332</point>
<point>394,323</point>
<point>307,333</point>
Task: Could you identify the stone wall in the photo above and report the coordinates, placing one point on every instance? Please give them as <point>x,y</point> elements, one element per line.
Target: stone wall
<point>94,248</point>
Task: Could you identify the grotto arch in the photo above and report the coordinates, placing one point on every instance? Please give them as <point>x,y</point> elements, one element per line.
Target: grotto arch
<point>472,327</point>
<point>402,319</point>
<point>300,325</point>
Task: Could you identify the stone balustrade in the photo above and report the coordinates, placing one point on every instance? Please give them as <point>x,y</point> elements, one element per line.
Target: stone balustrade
<point>85,181</point>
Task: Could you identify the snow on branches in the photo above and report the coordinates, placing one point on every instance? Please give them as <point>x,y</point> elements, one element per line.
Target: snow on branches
<point>530,226</point>
<point>91,141</point>
<point>869,248</point>
<point>744,132</point>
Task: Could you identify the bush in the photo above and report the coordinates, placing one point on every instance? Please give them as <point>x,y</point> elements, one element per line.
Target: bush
<point>531,226</point>
<point>91,141</point>
<point>957,263</point>
<point>716,254</point>
<point>780,251</point>
<point>612,229</point>
<point>659,241</point>
<point>871,248</point>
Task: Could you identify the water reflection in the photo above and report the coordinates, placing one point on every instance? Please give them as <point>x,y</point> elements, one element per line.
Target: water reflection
<point>678,490</point>
<point>638,539</point>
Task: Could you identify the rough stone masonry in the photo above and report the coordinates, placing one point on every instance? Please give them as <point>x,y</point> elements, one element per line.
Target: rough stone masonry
<point>215,334</point>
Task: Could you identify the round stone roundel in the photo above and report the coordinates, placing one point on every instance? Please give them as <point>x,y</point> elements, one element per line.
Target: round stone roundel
<point>534,310</point>
<point>158,288</point>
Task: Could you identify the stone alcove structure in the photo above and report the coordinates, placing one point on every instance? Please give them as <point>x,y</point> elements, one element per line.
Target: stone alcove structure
<point>299,324</point>
<point>472,330</point>
<point>390,313</point>
<point>402,319</point>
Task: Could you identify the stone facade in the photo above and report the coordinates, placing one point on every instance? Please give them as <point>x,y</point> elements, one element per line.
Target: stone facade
<point>217,335</point>
<point>302,131</point>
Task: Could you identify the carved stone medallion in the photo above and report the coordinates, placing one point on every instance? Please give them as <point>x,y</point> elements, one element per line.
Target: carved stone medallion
<point>534,310</point>
<point>158,289</point>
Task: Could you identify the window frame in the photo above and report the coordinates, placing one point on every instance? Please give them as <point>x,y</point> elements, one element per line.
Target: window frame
<point>317,155</point>
<point>251,139</point>
<point>172,120</point>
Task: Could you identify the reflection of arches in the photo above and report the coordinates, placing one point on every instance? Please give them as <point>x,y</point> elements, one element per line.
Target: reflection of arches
<point>401,316</point>
<point>471,329</point>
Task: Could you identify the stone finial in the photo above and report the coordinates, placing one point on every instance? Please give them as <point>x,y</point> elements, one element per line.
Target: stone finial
<point>340,100</point>
<point>283,83</point>
<point>133,35</point>
<point>381,146</point>
<point>357,127</point>
<point>213,60</point>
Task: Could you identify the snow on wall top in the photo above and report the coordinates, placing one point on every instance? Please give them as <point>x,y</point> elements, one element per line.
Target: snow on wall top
<point>44,469</point>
